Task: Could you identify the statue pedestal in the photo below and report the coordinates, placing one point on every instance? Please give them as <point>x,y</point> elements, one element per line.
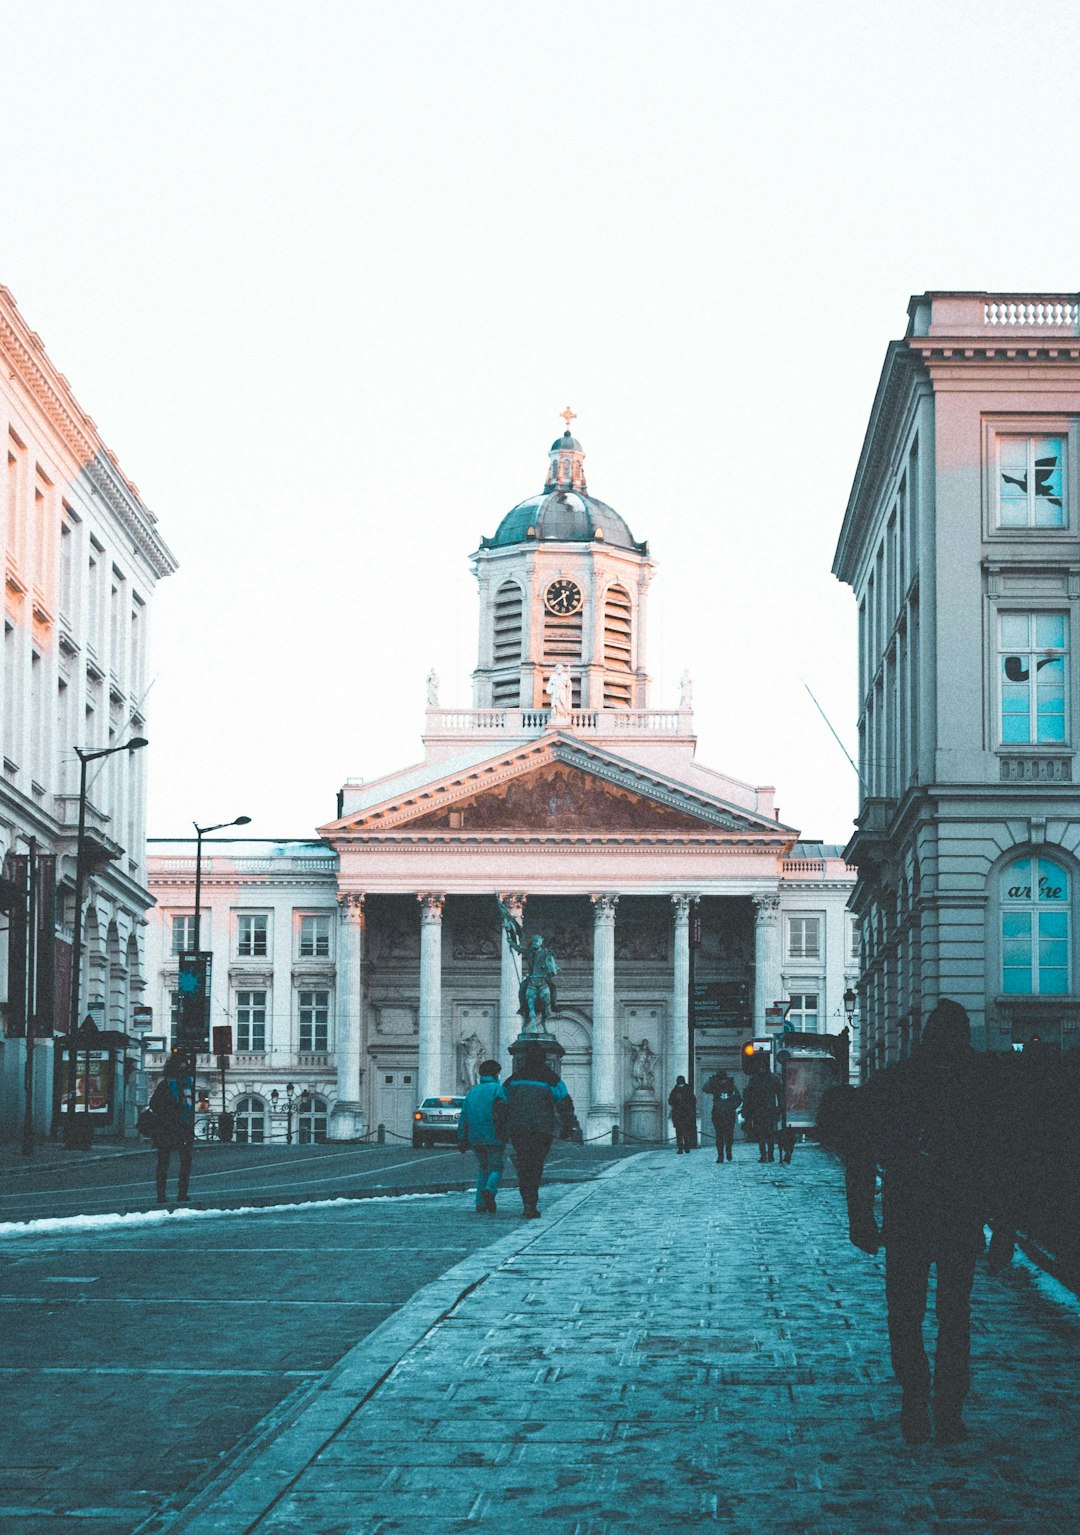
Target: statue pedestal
<point>643,1117</point>
<point>553,1051</point>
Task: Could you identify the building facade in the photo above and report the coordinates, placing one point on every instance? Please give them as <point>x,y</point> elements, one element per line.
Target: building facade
<point>82,557</point>
<point>679,909</point>
<point>961,542</point>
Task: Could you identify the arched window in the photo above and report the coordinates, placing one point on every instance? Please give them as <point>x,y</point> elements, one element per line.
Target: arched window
<point>249,1125</point>
<point>311,1122</point>
<point>1035,899</point>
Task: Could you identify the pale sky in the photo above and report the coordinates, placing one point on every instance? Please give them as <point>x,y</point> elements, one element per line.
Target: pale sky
<point>325,273</point>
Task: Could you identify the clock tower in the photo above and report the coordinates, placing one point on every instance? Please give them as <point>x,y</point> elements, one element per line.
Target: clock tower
<point>563,582</point>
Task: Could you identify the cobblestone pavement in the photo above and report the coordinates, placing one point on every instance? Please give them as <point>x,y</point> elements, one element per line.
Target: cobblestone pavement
<point>677,1345</point>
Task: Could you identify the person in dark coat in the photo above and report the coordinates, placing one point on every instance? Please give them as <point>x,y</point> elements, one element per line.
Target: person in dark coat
<point>683,1105</point>
<point>726,1099</point>
<point>174,1126</point>
<point>933,1125</point>
<point>476,1128</point>
<point>526,1109</point>
<point>761,1106</point>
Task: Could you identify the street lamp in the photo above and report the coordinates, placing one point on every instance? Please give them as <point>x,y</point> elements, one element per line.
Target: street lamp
<point>200,833</point>
<point>135,744</point>
<point>302,1103</point>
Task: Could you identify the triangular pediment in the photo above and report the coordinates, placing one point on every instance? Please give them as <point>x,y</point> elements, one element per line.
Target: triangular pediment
<point>555,787</point>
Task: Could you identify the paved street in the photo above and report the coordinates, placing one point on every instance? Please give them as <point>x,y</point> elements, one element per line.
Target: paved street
<point>120,1177</point>
<point>674,1344</point>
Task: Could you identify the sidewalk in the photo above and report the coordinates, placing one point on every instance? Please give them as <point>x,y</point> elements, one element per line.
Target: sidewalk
<point>677,1345</point>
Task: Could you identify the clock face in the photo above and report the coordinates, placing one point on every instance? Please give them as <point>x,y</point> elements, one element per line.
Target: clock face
<point>563,597</point>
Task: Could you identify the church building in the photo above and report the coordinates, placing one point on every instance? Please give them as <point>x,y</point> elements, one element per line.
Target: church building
<point>677,906</point>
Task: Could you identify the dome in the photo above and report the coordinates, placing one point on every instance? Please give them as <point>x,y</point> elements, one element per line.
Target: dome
<point>567,443</point>
<point>563,517</point>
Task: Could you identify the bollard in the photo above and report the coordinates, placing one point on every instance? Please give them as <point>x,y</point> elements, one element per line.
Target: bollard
<point>380,1135</point>
<point>614,1135</point>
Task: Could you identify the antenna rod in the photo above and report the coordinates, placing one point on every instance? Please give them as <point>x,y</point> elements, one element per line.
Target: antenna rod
<point>836,738</point>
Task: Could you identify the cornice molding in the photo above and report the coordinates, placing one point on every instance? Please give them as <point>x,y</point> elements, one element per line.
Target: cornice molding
<point>53,397</point>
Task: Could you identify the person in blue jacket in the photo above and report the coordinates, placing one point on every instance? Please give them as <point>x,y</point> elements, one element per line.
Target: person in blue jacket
<point>476,1129</point>
<point>526,1108</point>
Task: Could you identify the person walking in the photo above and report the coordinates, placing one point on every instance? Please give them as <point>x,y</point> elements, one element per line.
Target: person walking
<point>726,1099</point>
<point>683,1106</point>
<point>936,1127</point>
<point>173,1115</point>
<point>476,1128</point>
<point>525,1110</point>
<point>761,1106</point>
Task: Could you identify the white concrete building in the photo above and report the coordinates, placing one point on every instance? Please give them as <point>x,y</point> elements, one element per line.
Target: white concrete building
<point>677,905</point>
<point>961,542</point>
<point>82,556</point>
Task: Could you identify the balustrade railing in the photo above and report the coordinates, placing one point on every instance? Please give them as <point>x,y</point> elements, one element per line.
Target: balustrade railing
<point>511,722</point>
<point>1048,312</point>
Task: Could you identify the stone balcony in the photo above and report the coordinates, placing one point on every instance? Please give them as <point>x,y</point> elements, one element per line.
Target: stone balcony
<point>999,317</point>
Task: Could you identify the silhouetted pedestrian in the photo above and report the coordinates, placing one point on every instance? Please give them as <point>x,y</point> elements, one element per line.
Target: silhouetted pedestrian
<point>726,1099</point>
<point>761,1106</point>
<point>173,1115</point>
<point>934,1126</point>
<point>526,1108</point>
<point>476,1128</point>
<point>683,1105</point>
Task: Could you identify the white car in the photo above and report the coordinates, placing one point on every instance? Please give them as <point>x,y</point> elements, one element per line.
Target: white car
<point>436,1119</point>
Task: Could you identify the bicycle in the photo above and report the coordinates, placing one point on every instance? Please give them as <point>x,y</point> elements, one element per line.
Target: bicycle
<point>207,1128</point>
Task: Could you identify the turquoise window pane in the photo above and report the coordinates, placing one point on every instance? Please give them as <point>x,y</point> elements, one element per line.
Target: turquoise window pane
<point>1016,952</point>
<point>1015,630</point>
<point>1048,514</point>
<point>1017,983</point>
<point>1053,924</point>
<point>1050,631</point>
<point>1053,881</point>
<point>1052,729</point>
<point>1014,729</point>
<point>1017,924</point>
<point>1053,953</point>
<point>1013,453</point>
<point>1053,983</point>
<point>1016,881</point>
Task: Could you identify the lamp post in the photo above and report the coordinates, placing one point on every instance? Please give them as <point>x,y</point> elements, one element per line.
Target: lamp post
<point>301,1103</point>
<point>200,833</point>
<point>135,744</point>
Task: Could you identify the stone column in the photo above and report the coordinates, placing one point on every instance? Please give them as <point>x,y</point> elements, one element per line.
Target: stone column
<point>603,1110</point>
<point>679,1062</point>
<point>347,1119</point>
<point>509,980</point>
<point>430,1065</point>
<point>766,956</point>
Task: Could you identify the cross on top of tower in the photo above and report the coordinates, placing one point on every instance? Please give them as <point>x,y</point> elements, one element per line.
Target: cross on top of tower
<point>568,415</point>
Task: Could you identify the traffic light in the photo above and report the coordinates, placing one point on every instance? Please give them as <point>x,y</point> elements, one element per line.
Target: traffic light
<point>748,1052</point>
<point>193,984</point>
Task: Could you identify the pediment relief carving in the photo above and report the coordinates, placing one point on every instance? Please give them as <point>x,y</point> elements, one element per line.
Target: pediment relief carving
<point>558,799</point>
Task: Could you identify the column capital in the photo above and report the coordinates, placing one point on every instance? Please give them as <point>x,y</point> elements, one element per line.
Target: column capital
<point>604,907</point>
<point>351,907</point>
<point>432,903</point>
<point>683,904</point>
<point>766,907</point>
<point>514,901</point>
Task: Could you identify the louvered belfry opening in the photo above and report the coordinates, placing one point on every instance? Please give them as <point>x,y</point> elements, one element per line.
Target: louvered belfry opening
<point>509,608</point>
<point>618,649</point>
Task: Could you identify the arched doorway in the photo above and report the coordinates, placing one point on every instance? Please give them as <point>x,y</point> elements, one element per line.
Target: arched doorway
<point>575,1036</point>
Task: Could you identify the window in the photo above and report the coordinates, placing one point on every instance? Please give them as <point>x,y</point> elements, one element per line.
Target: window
<point>314,937</point>
<point>311,1122</point>
<point>506,644</point>
<point>251,932</point>
<point>183,934</point>
<point>1032,651</point>
<point>249,1121</point>
<point>174,1018</point>
<point>618,652</point>
<point>803,1012</point>
<point>1035,929</point>
<point>1031,482</point>
<point>804,938</point>
<point>251,1021</point>
<point>314,1020</point>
